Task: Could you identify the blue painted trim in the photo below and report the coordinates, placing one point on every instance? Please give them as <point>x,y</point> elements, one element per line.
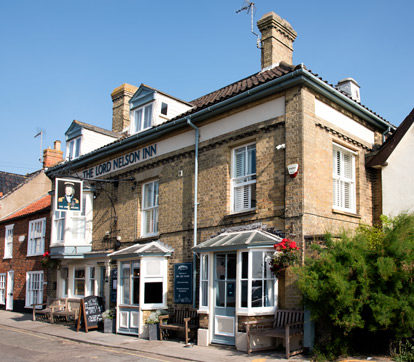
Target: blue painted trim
<point>141,97</point>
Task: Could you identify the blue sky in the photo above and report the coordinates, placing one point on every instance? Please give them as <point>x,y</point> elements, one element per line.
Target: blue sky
<point>60,60</point>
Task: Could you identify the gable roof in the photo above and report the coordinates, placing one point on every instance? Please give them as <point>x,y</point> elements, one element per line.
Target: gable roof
<point>91,127</point>
<point>391,143</point>
<point>9,181</point>
<point>36,206</point>
<point>152,248</point>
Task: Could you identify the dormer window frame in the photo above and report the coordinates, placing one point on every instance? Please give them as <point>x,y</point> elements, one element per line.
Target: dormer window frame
<point>73,148</point>
<point>144,122</point>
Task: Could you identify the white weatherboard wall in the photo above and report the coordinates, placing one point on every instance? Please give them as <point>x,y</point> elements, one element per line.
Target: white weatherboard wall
<point>92,140</point>
<point>338,119</point>
<point>398,178</point>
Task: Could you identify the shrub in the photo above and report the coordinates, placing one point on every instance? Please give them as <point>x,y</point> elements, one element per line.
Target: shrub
<point>362,284</point>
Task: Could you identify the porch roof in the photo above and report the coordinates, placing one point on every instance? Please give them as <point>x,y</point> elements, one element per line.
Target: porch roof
<point>154,248</point>
<point>238,240</point>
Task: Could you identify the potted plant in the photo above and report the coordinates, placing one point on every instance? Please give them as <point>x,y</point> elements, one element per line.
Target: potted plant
<point>286,255</point>
<point>109,321</point>
<point>154,325</point>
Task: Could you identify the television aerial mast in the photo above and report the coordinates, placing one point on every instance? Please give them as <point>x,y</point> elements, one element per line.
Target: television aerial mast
<point>40,133</point>
<point>249,7</point>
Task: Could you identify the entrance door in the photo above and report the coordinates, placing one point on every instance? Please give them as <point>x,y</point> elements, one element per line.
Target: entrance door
<point>10,287</point>
<point>225,298</point>
<point>128,301</point>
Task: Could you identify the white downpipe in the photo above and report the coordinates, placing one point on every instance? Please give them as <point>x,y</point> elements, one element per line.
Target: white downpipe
<point>197,139</point>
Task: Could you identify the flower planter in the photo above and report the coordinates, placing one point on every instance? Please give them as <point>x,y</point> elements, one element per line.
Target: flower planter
<point>109,325</point>
<point>154,332</point>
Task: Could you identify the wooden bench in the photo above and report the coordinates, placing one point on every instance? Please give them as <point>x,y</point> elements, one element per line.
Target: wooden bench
<point>52,306</point>
<point>179,320</point>
<point>69,312</point>
<point>285,324</point>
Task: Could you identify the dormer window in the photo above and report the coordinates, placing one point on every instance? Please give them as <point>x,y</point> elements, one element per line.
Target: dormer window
<point>73,148</point>
<point>164,108</point>
<point>142,118</point>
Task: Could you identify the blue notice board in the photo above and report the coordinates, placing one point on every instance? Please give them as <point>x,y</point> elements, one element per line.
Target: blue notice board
<point>183,283</point>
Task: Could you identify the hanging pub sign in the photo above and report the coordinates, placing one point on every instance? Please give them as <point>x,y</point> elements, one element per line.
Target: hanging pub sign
<point>68,194</point>
<point>183,283</point>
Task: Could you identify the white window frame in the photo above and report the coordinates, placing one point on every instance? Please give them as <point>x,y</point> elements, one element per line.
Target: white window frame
<point>59,219</point>
<point>204,264</point>
<point>75,279</point>
<point>64,283</point>
<point>130,266</point>
<point>91,280</point>
<point>249,310</point>
<point>340,179</point>
<point>74,148</point>
<point>136,128</point>
<point>153,278</point>
<point>8,242</point>
<point>78,222</point>
<point>34,237</point>
<point>153,209</point>
<point>242,181</point>
<point>3,288</point>
<point>30,283</point>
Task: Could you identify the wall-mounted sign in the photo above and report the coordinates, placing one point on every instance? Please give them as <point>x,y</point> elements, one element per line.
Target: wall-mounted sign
<point>128,159</point>
<point>183,283</point>
<point>68,194</point>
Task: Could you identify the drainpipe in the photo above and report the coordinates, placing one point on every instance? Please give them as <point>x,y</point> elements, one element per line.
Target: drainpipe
<point>197,139</point>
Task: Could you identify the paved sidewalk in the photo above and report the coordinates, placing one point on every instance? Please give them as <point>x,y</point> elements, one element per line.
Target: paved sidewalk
<point>160,348</point>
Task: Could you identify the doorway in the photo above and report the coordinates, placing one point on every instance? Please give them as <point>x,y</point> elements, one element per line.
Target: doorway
<point>224,326</point>
<point>10,287</point>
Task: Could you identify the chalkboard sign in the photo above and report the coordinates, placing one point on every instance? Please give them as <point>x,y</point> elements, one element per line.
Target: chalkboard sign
<point>183,283</point>
<point>90,313</point>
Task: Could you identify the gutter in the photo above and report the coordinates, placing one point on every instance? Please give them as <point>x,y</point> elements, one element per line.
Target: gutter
<point>196,142</point>
<point>298,76</point>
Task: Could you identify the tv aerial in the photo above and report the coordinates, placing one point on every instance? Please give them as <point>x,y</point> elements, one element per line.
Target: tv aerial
<point>249,7</point>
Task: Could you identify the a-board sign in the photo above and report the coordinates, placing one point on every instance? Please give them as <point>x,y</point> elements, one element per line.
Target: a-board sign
<point>90,313</point>
<point>183,283</point>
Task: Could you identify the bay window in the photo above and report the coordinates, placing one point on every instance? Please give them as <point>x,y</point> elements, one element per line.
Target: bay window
<point>130,279</point>
<point>154,282</point>
<point>59,221</point>
<point>150,209</point>
<point>204,276</point>
<point>243,182</point>
<point>344,195</point>
<point>36,240</point>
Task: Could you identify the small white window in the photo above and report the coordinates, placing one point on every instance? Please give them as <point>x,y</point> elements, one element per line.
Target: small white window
<point>204,281</point>
<point>343,179</point>
<point>142,118</point>
<point>8,242</point>
<point>164,108</point>
<point>92,280</point>
<point>36,242</point>
<point>34,288</point>
<point>2,288</point>
<point>79,282</point>
<point>154,282</point>
<point>59,221</point>
<point>73,148</point>
<point>243,182</point>
<point>149,210</point>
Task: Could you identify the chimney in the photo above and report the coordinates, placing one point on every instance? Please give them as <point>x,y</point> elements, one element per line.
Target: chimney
<point>52,157</point>
<point>120,108</point>
<point>350,87</point>
<point>277,40</point>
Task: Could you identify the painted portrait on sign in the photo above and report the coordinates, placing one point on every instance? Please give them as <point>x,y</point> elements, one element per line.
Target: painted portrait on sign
<point>68,195</point>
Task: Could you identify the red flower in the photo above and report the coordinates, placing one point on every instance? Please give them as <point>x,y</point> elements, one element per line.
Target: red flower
<point>292,245</point>
<point>46,254</point>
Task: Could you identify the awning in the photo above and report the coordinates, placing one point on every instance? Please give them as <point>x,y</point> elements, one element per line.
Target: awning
<point>239,240</point>
<point>155,248</point>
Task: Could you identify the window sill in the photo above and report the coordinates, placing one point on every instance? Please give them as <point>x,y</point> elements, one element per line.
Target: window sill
<point>203,311</point>
<point>241,213</point>
<point>146,238</point>
<point>7,257</point>
<point>346,213</point>
<point>252,313</point>
<point>30,255</point>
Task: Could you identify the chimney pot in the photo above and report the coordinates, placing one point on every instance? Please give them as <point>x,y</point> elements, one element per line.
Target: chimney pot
<point>350,87</point>
<point>277,40</point>
<point>56,145</point>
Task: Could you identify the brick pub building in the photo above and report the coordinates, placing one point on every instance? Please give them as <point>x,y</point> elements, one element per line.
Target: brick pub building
<point>212,184</point>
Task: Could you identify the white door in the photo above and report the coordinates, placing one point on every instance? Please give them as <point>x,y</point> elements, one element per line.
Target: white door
<point>10,287</point>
